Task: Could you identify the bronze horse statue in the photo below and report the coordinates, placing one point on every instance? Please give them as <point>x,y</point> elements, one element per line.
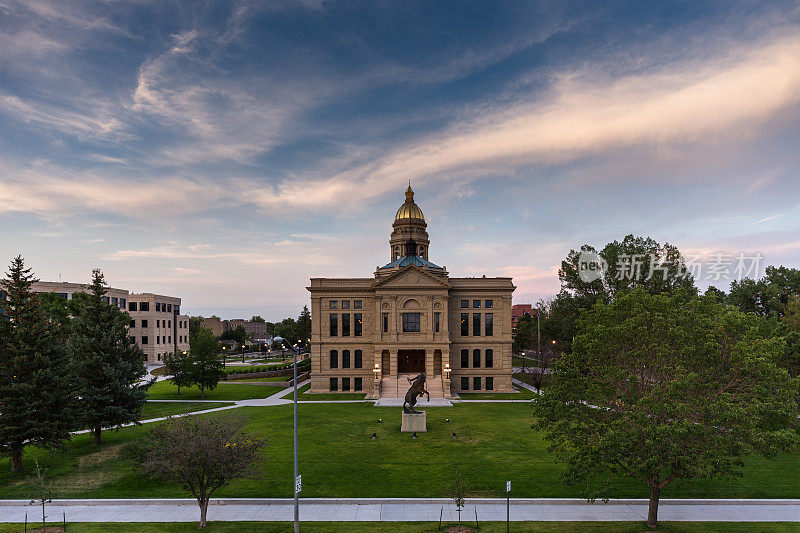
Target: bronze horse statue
<point>417,389</point>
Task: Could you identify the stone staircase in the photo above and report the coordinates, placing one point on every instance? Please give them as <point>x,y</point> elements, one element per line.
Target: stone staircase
<point>397,386</point>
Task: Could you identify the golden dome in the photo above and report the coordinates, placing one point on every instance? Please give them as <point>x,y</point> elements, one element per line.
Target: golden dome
<point>409,209</point>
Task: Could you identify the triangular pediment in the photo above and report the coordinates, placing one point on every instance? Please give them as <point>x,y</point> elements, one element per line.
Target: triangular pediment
<point>412,277</point>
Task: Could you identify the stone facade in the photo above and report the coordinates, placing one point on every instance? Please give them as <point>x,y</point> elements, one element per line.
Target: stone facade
<point>367,334</point>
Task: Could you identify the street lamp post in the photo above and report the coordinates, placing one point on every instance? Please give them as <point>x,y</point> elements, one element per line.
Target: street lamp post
<point>296,467</point>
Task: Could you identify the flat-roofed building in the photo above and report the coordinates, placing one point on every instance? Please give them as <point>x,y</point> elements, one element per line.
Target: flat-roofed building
<point>157,325</point>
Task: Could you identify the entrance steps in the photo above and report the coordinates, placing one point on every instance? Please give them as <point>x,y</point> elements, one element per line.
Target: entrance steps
<point>394,388</point>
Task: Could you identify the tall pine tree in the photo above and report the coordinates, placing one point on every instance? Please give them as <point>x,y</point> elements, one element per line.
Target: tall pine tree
<point>36,386</point>
<point>109,365</point>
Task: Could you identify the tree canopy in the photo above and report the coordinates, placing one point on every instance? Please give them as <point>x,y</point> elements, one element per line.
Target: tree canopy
<point>666,386</point>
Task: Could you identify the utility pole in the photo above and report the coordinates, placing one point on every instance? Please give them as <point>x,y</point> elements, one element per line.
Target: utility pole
<point>538,336</point>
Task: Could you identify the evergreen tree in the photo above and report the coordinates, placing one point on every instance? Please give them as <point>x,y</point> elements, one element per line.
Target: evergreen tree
<point>304,326</point>
<point>206,366</point>
<point>35,389</point>
<point>109,365</point>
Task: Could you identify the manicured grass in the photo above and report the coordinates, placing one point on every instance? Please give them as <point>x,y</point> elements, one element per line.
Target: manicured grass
<point>338,458</point>
<point>521,394</point>
<point>304,395</point>
<point>232,378</point>
<point>164,390</point>
<point>159,409</point>
<point>427,527</point>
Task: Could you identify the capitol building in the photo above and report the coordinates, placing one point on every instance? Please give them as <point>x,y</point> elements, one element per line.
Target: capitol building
<point>369,334</point>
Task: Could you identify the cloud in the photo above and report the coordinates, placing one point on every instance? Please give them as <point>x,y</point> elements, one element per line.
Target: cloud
<point>773,217</point>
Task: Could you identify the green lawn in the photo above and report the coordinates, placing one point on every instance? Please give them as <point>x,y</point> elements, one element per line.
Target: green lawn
<point>164,390</point>
<point>232,378</point>
<point>337,454</point>
<point>521,394</point>
<point>304,395</point>
<point>159,409</point>
<point>427,527</point>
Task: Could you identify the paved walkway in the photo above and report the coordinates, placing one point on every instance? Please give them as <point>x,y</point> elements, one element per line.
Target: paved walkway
<point>405,510</point>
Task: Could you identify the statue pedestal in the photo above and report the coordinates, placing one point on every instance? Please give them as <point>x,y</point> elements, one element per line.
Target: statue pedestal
<point>414,423</point>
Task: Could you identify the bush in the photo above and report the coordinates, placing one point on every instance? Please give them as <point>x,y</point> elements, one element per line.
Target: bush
<point>305,364</point>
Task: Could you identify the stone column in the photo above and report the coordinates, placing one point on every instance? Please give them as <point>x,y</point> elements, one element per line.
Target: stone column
<point>393,363</point>
<point>429,363</point>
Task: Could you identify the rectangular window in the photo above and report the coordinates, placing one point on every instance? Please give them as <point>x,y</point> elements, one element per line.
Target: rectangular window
<point>158,323</point>
<point>411,322</point>
<point>169,308</point>
<point>105,299</point>
<point>334,359</point>
<point>356,304</point>
<point>489,383</point>
<point>114,301</point>
<point>489,325</point>
<point>464,358</point>
<point>169,323</point>
<point>144,323</point>
<point>476,324</point>
<point>476,304</point>
<point>158,339</point>
<point>489,359</point>
<point>169,339</point>
<point>345,304</point>
<point>144,306</point>
<point>465,383</point>
<point>132,306</point>
<point>334,304</point>
<point>476,383</point>
<point>334,385</point>
<point>489,305</point>
<point>158,307</point>
<point>133,324</point>
<point>122,303</point>
<point>385,322</point>
<point>144,340</point>
<point>476,358</point>
<point>436,322</point>
<point>345,358</point>
<point>464,304</point>
<point>358,361</point>
<point>334,325</point>
<point>177,310</point>
<point>345,324</point>
<point>357,384</point>
<point>357,324</point>
<point>345,384</point>
<point>464,324</point>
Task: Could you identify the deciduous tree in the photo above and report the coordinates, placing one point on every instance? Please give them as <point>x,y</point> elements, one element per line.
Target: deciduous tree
<point>206,368</point>
<point>179,366</point>
<point>664,387</point>
<point>201,454</point>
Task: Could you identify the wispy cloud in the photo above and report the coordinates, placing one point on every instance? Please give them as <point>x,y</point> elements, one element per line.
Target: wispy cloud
<point>773,217</point>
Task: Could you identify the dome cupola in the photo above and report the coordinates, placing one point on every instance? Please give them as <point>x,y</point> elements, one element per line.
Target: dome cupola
<point>409,210</point>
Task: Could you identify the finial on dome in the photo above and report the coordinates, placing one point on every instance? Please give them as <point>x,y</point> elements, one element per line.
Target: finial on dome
<point>409,193</point>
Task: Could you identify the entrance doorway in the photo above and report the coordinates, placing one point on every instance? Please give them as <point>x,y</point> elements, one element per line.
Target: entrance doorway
<point>410,361</point>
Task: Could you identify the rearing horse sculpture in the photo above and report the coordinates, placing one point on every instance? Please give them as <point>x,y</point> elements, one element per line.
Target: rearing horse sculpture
<point>417,389</point>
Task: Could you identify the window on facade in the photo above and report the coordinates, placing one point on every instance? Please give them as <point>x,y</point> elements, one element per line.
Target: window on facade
<point>345,304</point>
<point>122,303</point>
<point>489,325</point>
<point>411,322</point>
<point>476,304</point>
<point>169,339</point>
<point>464,324</point>
<point>345,358</point>
<point>159,357</point>
<point>357,324</point>
<point>144,306</point>
<point>385,322</point>
<point>489,304</point>
<point>334,385</point>
<point>158,323</point>
<point>345,384</point>
<point>476,324</point>
<point>489,358</point>
<point>464,304</point>
<point>177,310</point>
<point>345,324</point>
<point>105,299</point>
<point>334,359</point>
<point>334,325</point>
<point>169,323</point>
<point>144,339</point>
<point>436,316</point>
<point>144,323</point>
<point>465,383</point>
<point>169,308</point>
<point>357,385</point>
<point>358,359</point>
<point>158,339</point>
<point>356,304</point>
<point>476,358</point>
<point>490,383</point>
<point>114,301</point>
<point>133,324</point>
<point>464,358</point>
<point>158,307</point>
<point>132,306</point>
<point>334,304</point>
<point>476,383</point>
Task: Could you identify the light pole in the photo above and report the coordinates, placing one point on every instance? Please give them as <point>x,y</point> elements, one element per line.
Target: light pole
<point>297,485</point>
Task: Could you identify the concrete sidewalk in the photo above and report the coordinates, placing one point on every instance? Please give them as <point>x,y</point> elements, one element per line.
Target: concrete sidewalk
<point>405,510</point>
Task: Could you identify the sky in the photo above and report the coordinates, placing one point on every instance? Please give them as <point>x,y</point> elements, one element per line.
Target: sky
<point>226,152</point>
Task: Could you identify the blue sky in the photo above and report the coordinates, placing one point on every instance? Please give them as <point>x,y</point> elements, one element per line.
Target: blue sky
<point>225,152</point>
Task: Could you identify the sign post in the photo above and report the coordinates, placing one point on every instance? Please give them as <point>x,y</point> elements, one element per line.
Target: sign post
<point>508,505</point>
